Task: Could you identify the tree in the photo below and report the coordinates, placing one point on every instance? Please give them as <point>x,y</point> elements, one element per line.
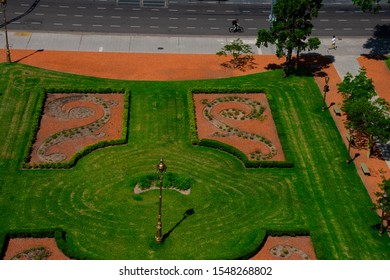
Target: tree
<point>383,202</point>
<point>369,5</point>
<point>291,27</point>
<point>242,54</point>
<point>366,112</point>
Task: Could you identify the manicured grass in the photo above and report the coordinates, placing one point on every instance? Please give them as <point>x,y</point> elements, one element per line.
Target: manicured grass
<point>233,206</point>
<point>388,62</point>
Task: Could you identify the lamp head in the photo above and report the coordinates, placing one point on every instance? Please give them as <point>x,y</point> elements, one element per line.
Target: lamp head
<point>327,79</point>
<point>161,167</point>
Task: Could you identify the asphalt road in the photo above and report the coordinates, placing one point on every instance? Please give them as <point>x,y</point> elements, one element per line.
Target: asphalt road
<point>181,18</point>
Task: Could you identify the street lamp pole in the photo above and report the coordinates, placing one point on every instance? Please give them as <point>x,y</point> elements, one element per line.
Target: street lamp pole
<point>8,54</point>
<point>326,89</point>
<point>161,167</point>
<point>350,140</point>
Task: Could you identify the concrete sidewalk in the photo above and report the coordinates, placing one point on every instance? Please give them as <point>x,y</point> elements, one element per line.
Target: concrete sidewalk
<point>344,56</point>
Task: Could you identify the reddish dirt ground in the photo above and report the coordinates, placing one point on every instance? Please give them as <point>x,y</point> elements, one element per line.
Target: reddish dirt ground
<point>265,128</point>
<point>132,66</point>
<point>51,124</point>
<point>19,245</point>
<point>286,248</point>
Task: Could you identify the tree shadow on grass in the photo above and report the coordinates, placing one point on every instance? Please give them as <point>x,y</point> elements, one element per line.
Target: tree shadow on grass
<point>379,43</point>
<point>186,214</point>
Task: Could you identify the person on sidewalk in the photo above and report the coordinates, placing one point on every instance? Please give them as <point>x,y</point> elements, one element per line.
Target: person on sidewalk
<point>334,43</point>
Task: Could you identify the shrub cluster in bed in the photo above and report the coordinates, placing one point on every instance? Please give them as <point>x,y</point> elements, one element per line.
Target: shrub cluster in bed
<point>170,180</point>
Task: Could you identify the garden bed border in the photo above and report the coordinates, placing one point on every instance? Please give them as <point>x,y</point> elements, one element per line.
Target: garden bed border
<point>228,148</point>
<point>42,95</point>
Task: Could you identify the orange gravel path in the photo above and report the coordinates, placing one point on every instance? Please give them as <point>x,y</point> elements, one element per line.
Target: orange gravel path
<point>136,66</point>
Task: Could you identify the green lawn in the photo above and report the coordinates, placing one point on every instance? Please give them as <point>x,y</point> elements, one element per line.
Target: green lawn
<point>388,62</point>
<point>233,206</point>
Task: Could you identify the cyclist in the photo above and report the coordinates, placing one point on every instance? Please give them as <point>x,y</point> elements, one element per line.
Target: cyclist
<point>235,25</point>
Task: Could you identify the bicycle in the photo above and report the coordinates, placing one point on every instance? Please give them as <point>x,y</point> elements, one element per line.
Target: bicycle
<point>239,29</point>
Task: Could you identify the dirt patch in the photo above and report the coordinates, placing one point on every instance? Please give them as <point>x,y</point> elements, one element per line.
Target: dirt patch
<point>33,248</point>
<point>287,248</point>
<point>243,121</point>
<point>71,122</point>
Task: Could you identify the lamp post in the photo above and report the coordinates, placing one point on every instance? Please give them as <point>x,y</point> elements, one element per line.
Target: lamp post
<point>271,15</point>
<point>350,140</point>
<point>326,89</point>
<point>4,5</point>
<point>384,204</point>
<point>161,167</point>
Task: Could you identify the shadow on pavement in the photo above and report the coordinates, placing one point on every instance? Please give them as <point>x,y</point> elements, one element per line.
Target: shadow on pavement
<point>379,43</point>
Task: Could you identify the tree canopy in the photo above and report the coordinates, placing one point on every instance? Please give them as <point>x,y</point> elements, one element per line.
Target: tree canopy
<point>369,5</point>
<point>366,112</point>
<point>291,27</point>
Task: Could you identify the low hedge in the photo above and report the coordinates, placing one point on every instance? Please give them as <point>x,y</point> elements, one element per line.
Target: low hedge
<point>58,234</point>
<point>73,161</point>
<point>241,156</point>
<point>170,179</point>
<point>274,232</point>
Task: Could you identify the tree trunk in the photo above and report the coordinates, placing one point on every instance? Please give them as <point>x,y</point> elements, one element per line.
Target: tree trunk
<point>370,145</point>
<point>288,63</point>
<point>298,58</point>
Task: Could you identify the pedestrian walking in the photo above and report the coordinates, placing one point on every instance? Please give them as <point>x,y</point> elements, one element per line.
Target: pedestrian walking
<point>334,43</point>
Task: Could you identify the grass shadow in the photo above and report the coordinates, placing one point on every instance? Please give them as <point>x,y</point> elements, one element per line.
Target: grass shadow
<point>186,214</point>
